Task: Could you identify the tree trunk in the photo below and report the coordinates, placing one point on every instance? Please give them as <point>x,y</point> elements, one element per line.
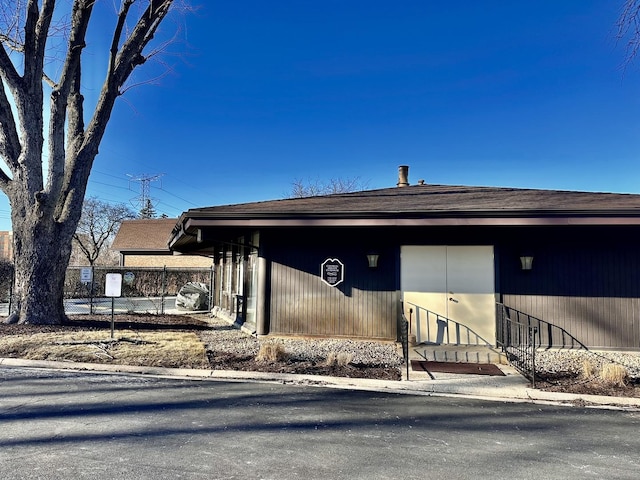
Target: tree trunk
<point>46,212</point>
<point>42,251</point>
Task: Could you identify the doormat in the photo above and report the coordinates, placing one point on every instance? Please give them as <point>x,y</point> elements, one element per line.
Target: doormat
<point>456,367</point>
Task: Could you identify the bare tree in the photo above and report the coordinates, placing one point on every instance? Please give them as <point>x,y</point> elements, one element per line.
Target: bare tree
<point>315,188</point>
<point>46,208</point>
<point>629,28</point>
<point>98,225</point>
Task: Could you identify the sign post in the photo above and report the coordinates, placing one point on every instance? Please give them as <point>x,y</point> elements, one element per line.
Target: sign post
<point>86,278</point>
<point>113,289</point>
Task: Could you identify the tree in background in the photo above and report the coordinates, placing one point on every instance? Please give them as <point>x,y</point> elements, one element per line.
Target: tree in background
<point>315,188</point>
<point>98,225</point>
<point>148,211</point>
<point>41,54</point>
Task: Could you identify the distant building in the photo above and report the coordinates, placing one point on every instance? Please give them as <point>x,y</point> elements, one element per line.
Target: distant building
<point>6,245</point>
<point>144,243</point>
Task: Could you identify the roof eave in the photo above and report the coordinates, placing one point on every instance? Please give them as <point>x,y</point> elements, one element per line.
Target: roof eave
<point>185,233</point>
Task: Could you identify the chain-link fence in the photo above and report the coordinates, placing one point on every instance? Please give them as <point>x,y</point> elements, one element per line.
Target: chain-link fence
<point>6,283</point>
<point>144,290</point>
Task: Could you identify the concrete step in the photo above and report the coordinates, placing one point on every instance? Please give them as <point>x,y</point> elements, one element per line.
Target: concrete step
<point>457,353</point>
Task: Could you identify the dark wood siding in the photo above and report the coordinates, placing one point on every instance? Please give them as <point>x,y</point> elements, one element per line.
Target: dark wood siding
<point>364,305</point>
<point>585,280</point>
<point>591,291</point>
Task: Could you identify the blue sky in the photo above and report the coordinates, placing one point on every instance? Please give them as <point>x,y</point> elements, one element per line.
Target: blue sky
<point>522,94</point>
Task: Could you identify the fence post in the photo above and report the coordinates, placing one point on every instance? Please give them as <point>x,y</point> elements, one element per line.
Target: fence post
<point>93,279</point>
<point>13,277</point>
<point>211,293</point>
<point>532,336</point>
<point>164,289</point>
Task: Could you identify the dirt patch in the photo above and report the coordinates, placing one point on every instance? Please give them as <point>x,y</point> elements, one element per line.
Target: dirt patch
<point>572,383</point>
<point>222,347</point>
<point>158,333</point>
<point>230,361</point>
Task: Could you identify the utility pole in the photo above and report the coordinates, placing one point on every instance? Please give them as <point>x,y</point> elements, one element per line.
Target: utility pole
<point>144,200</point>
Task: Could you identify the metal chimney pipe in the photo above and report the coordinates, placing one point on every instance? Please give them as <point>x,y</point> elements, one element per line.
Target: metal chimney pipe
<point>403,176</point>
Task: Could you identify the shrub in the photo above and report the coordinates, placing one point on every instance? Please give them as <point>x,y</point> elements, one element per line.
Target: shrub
<point>614,375</point>
<point>271,352</point>
<point>341,359</point>
<point>589,370</point>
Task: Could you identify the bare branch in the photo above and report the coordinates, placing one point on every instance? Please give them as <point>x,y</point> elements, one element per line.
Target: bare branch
<point>629,28</point>
<point>44,218</point>
<point>8,71</point>
<point>48,80</point>
<point>11,24</point>
<point>314,188</point>
<point>60,95</point>
<point>36,32</point>
<point>121,64</point>
<point>9,140</point>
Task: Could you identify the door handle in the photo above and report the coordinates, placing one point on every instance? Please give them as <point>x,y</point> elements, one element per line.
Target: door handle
<point>451,299</point>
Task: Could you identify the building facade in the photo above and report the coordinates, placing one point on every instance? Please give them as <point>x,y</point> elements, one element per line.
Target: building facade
<point>446,258</point>
<point>143,243</point>
<point>6,245</point>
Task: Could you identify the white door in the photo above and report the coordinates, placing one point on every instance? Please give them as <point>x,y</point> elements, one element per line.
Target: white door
<point>448,293</point>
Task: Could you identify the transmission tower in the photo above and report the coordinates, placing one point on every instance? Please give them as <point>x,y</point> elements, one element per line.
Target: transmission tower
<point>144,200</point>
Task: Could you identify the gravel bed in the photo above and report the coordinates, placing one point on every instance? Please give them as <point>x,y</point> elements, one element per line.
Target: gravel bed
<point>223,338</point>
<point>572,361</point>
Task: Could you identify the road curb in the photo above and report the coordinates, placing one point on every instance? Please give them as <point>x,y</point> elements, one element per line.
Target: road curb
<point>466,387</point>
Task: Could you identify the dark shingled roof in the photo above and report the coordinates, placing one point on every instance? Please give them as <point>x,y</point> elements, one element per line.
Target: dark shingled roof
<point>421,204</point>
<point>148,235</point>
<point>430,199</point>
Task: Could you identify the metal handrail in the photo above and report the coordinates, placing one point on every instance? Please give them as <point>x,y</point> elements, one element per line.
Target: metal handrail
<point>547,336</point>
<point>519,338</point>
<point>445,328</point>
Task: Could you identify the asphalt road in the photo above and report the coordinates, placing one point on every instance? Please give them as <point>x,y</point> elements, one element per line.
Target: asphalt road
<point>64,425</point>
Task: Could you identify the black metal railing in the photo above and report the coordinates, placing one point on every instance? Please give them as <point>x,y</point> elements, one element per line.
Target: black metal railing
<point>547,335</point>
<point>520,335</point>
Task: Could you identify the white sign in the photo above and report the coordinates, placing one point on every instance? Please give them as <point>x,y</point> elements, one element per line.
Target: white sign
<point>86,274</point>
<point>113,285</point>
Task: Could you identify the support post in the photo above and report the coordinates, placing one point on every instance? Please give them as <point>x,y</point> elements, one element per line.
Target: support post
<point>262,327</point>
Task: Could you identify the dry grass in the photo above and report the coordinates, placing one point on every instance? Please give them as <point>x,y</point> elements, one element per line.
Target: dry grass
<point>271,352</point>
<point>589,370</point>
<point>341,359</point>
<point>614,375</point>
<point>157,349</point>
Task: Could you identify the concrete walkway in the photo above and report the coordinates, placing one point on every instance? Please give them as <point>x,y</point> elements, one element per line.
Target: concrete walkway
<point>511,387</point>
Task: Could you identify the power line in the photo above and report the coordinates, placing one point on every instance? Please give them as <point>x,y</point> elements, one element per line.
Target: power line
<point>144,200</point>
<point>162,188</point>
<point>92,191</point>
<point>176,196</point>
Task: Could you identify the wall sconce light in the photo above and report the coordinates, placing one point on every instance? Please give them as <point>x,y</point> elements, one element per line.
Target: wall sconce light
<point>372,258</point>
<point>526,261</point>
<point>199,235</point>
